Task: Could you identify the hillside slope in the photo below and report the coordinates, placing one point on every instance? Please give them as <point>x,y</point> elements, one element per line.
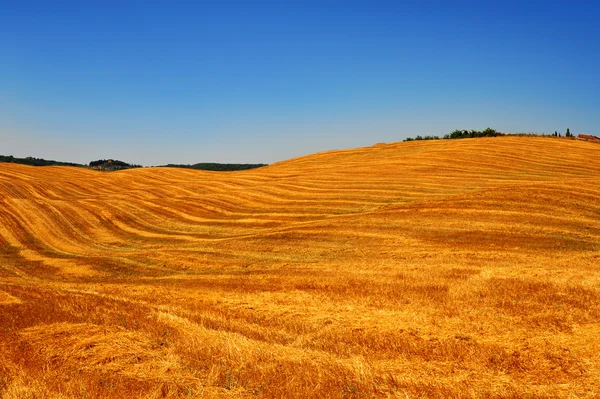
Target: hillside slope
<point>454,268</point>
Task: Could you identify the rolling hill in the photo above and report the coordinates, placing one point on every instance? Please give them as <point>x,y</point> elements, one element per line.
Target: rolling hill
<point>447,268</point>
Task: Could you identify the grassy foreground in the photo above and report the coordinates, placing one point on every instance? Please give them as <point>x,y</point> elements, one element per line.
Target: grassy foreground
<point>430,269</point>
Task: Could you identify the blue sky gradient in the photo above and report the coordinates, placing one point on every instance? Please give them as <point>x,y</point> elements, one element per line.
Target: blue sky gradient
<point>154,82</point>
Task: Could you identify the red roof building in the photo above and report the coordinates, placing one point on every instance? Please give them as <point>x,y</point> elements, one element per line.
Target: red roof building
<point>588,137</point>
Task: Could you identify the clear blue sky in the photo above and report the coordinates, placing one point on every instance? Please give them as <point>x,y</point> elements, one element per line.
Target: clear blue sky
<point>154,82</point>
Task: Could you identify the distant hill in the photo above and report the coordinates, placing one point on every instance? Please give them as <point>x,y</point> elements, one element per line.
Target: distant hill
<point>225,167</point>
<point>36,161</point>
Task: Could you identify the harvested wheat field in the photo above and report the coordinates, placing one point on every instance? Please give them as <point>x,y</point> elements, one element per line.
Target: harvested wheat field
<point>432,269</point>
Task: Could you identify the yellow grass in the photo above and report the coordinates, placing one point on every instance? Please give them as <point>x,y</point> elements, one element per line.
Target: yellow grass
<point>460,268</point>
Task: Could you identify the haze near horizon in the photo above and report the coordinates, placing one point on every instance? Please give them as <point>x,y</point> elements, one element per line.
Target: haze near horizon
<point>153,83</point>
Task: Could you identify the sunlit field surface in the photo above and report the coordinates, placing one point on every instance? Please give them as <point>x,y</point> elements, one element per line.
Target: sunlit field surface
<point>431,269</point>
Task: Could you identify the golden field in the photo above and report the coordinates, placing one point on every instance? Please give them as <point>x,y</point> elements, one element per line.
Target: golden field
<point>430,269</point>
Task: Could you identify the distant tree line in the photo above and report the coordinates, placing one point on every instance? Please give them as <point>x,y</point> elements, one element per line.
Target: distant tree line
<point>567,134</point>
<point>112,164</point>
<point>422,138</point>
<point>488,132</point>
<point>461,134</point>
<point>31,161</point>
<point>221,167</point>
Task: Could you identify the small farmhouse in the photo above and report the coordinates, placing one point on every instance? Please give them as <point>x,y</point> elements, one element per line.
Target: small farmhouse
<point>588,137</point>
